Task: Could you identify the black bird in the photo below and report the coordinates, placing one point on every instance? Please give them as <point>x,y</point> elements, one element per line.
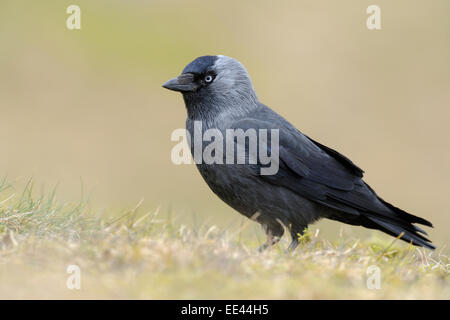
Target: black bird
<point>313,181</point>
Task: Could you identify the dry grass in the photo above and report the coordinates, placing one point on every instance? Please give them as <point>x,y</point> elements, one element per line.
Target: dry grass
<point>149,256</point>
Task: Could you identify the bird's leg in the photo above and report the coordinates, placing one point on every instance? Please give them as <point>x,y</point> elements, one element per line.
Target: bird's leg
<point>292,246</point>
<point>295,234</point>
<point>273,236</point>
<point>271,240</point>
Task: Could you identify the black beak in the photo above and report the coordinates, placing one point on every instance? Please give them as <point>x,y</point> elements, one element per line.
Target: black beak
<point>183,83</point>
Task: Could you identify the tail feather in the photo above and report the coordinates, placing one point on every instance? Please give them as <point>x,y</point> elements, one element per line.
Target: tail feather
<point>407,216</point>
<point>364,207</point>
<point>406,230</point>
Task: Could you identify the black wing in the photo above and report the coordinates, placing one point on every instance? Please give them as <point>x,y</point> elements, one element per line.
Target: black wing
<point>327,177</point>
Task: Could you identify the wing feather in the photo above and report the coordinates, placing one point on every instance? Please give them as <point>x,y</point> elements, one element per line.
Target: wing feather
<point>328,178</point>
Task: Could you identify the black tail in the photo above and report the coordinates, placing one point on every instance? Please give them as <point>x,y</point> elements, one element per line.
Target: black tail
<point>400,223</point>
<point>403,225</point>
<point>406,230</point>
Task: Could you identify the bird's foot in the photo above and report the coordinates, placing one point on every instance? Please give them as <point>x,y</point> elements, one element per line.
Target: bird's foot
<point>263,247</point>
<point>269,243</point>
<point>292,246</point>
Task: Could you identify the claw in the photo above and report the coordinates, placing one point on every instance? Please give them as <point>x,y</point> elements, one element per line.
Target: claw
<point>271,240</point>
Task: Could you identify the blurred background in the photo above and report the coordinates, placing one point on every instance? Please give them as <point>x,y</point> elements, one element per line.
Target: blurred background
<point>85,108</point>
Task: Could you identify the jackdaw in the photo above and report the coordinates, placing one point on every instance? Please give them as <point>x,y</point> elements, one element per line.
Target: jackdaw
<point>313,181</point>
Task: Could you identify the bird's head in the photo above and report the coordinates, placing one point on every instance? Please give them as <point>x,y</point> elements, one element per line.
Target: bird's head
<point>214,80</point>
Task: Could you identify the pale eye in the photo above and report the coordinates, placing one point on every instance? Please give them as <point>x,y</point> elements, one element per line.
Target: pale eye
<point>208,78</point>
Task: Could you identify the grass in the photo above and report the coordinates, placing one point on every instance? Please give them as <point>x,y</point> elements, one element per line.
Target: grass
<point>152,256</point>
